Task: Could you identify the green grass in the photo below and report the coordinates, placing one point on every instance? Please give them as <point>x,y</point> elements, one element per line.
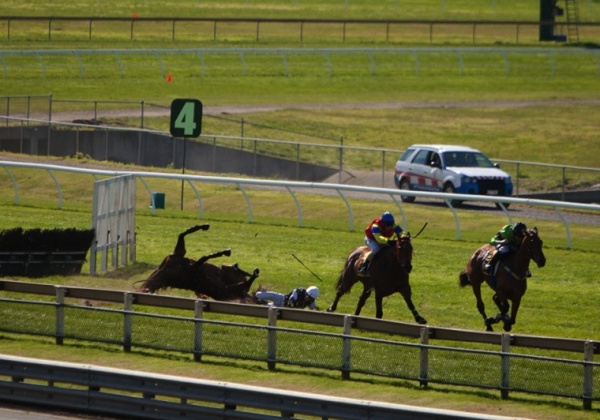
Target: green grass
<point>560,300</point>
<point>385,9</point>
<point>547,309</point>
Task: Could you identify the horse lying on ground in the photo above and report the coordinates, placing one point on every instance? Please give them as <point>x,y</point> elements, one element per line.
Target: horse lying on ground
<point>388,274</point>
<point>510,280</point>
<point>227,282</point>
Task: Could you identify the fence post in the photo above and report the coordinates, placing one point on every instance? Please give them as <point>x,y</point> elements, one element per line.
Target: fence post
<point>60,314</point>
<point>127,320</point>
<point>272,338</point>
<point>198,323</point>
<point>424,364</point>
<point>588,374</point>
<point>505,378</point>
<point>341,158</point>
<point>346,347</point>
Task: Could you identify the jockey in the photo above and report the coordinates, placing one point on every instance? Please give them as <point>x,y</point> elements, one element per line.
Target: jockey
<point>379,232</point>
<point>297,298</point>
<point>506,240</point>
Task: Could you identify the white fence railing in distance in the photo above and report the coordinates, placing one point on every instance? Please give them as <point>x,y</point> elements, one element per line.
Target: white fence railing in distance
<point>335,156</point>
<point>292,187</point>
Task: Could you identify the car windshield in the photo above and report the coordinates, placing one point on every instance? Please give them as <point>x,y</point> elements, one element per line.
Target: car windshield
<point>406,154</point>
<point>466,160</point>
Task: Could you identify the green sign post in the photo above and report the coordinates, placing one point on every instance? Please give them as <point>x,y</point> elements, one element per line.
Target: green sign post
<point>186,118</point>
<point>186,121</point>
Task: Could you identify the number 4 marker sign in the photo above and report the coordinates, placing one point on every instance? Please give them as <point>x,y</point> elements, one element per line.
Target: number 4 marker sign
<point>186,118</point>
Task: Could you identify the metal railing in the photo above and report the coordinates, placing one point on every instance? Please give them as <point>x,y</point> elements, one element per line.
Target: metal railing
<point>261,29</point>
<point>407,350</point>
<point>292,187</point>
<point>367,62</point>
<point>338,155</point>
<point>142,395</point>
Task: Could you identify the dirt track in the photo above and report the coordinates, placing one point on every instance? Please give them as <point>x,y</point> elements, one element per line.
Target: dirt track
<point>159,111</point>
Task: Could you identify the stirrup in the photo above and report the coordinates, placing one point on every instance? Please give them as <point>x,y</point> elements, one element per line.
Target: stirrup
<point>364,269</point>
<point>487,269</point>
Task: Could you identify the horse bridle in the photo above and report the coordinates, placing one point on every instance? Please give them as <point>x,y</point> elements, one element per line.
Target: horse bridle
<point>403,241</point>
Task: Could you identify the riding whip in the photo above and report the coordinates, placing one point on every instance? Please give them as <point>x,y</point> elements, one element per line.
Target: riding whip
<point>304,265</point>
<point>422,229</point>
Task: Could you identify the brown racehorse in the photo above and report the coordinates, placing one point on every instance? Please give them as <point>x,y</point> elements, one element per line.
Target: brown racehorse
<point>510,280</point>
<point>388,274</point>
<point>227,282</point>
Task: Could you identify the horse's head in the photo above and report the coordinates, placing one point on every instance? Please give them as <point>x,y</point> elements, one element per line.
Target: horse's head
<point>404,251</point>
<point>534,244</point>
<point>237,282</point>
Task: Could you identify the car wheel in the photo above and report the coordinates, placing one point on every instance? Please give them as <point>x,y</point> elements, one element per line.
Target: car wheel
<point>449,189</point>
<point>405,185</point>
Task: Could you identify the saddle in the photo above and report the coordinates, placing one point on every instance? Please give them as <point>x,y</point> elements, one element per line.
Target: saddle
<point>487,260</point>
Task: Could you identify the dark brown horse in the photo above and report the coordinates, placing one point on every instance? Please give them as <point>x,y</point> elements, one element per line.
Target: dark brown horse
<point>388,274</point>
<point>510,280</point>
<point>227,282</point>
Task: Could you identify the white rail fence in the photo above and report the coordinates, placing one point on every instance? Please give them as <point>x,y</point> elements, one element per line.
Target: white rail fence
<point>441,355</point>
<point>293,187</point>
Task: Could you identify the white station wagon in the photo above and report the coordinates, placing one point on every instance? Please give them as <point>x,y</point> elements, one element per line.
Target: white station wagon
<point>451,169</point>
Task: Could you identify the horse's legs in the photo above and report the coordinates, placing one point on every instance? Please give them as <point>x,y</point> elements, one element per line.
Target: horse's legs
<point>333,306</point>
<point>481,307</point>
<point>378,305</point>
<point>180,245</point>
<point>407,295</point>
<point>345,282</point>
<point>363,298</point>
<point>202,260</point>
<point>509,322</point>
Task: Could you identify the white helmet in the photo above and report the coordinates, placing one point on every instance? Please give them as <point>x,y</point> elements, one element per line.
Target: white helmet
<point>313,292</point>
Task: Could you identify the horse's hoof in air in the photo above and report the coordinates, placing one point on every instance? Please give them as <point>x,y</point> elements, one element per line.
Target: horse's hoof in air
<point>196,228</point>
<point>227,252</point>
<point>489,328</point>
<point>330,309</point>
<point>421,320</point>
<point>205,226</point>
<point>256,272</point>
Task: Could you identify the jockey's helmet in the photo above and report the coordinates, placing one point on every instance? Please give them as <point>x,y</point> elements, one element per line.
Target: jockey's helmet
<point>518,229</point>
<point>387,218</point>
<point>313,292</point>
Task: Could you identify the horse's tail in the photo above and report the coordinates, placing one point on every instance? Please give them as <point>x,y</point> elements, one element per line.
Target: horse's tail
<point>463,279</point>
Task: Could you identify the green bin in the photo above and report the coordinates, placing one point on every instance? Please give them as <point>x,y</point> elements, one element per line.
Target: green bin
<point>159,200</point>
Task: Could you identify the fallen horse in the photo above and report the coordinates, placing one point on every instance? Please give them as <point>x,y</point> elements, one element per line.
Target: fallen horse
<point>227,282</point>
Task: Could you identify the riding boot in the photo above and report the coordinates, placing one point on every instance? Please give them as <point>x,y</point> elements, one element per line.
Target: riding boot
<point>487,269</point>
<point>364,268</point>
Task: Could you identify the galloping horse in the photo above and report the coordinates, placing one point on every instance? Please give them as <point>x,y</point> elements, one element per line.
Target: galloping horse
<point>227,282</point>
<point>510,280</point>
<point>388,274</point>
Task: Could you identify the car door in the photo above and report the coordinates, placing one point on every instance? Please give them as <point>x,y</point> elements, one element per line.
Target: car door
<point>427,177</point>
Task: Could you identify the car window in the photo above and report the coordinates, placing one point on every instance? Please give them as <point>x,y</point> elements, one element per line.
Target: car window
<point>450,158</point>
<point>467,160</point>
<point>483,161</point>
<point>422,157</point>
<point>406,154</point>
